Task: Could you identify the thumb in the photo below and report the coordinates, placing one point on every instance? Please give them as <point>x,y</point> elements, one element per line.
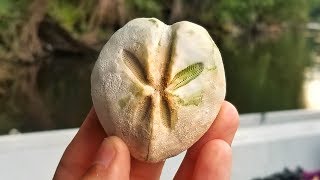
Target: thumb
<point>112,161</point>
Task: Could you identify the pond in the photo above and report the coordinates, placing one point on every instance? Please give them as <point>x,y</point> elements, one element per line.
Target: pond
<point>263,74</point>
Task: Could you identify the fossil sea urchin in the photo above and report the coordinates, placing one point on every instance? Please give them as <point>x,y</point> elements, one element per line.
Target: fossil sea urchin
<point>158,87</point>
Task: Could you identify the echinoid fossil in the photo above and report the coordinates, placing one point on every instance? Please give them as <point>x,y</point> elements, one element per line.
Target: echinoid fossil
<point>158,87</point>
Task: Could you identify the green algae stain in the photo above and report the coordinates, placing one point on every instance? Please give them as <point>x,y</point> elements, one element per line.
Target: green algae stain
<point>213,68</point>
<point>193,100</point>
<point>123,102</point>
<point>190,32</point>
<point>136,90</point>
<point>153,21</point>
<point>186,75</point>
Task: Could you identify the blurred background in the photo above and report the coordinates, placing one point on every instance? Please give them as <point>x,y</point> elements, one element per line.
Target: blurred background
<point>271,52</point>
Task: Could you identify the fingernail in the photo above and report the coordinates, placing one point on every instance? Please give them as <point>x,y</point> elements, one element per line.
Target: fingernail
<point>105,153</point>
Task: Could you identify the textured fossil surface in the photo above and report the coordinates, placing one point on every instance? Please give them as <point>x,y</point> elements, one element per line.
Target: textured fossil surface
<point>158,87</point>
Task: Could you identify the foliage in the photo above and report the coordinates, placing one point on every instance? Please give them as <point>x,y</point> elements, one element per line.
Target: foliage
<point>75,15</point>
<point>145,8</point>
<point>65,12</point>
<point>314,10</point>
<point>78,16</point>
<point>71,14</point>
<point>11,11</point>
<point>248,13</point>
<point>11,17</point>
<point>256,71</point>
<point>267,70</point>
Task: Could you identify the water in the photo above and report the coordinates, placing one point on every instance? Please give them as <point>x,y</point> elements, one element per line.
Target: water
<point>52,95</point>
<point>263,74</point>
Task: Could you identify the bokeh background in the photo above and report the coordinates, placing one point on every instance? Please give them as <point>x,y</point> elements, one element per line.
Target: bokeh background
<point>270,48</point>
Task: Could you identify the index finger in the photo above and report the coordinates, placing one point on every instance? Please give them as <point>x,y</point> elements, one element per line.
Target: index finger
<point>78,155</point>
<point>224,128</point>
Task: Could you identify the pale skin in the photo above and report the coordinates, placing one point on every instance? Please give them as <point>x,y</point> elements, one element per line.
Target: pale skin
<point>93,155</point>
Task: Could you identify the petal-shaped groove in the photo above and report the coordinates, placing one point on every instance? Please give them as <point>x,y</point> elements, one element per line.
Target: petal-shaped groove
<point>171,53</point>
<point>143,122</point>
<point>143,111</point>
<point>186,75</point>
<point>133,63</point>
<point>168,114</point>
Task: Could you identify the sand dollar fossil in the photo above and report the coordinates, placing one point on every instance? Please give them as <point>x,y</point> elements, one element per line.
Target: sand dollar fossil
<point>158,87</point>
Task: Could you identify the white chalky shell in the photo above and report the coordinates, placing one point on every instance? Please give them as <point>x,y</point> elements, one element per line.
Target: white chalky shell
<point>129,107</point>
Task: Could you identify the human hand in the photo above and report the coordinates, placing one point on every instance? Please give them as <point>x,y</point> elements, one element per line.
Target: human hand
<point>91,155</point>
